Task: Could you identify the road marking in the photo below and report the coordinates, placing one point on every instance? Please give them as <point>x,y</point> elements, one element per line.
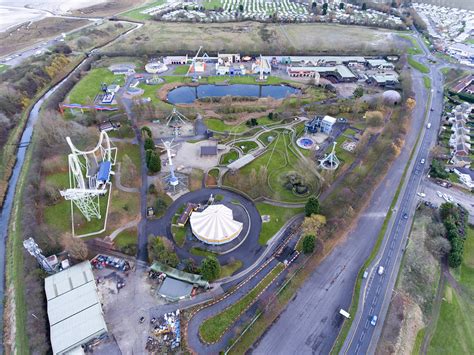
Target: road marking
<point>371,310</point>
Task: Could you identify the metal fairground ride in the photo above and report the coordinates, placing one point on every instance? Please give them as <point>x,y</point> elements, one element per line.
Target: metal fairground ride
<point>89,177</point>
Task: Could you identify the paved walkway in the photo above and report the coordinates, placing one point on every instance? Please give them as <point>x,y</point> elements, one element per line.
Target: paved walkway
<point>128,225</point>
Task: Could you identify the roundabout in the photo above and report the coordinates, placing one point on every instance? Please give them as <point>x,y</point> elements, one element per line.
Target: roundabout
<point>231,215</point>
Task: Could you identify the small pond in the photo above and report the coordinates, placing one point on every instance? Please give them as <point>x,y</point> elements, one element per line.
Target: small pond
<point>188,94</point>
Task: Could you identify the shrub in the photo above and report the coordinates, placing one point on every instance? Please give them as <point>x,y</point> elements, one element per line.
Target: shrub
<point>149,143</point>
<point>309,243</point>
<point>210,268</point>
<point>153,161</point>
<point>312,206</point>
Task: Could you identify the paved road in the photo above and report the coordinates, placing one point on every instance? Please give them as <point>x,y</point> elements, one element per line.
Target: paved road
<point>313,313</point>
<point>377,289</point>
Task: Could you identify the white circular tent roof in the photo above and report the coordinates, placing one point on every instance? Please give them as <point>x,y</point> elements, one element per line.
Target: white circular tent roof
<point>215,225</point>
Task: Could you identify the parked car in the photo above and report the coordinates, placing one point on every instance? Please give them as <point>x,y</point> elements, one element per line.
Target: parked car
<point>421,194</point>
<point>439,194</point>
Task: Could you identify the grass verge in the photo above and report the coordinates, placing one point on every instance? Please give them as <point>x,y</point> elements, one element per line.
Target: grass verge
<point>230,268</point>
<point>212,329</point>
<point>417,65</point>
<point>278,217</point>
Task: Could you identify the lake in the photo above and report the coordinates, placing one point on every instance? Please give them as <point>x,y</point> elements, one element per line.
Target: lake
<point>189,94</point>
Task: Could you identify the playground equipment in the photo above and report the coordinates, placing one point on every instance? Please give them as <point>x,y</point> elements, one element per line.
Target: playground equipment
<point>33,248</point>
<point>176,120</point>
<point>192,67</point>
<point>89,176</point>
<point>330,161</point>
<point>172,179</point>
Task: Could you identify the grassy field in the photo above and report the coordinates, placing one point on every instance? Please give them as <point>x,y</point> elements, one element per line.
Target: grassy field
<point>427,82</point>
<point>415,49</point>
<point>255,38</point>
<point>230,268</point>
<point>278,217</point>
<point>125,238</point>
<point>201,252</point>
<point>229,157</point>
<point>181,70</point>
<point>3,67</point>
<point>136,13</point>
<point>247,146</point>
<point>417,65</point>
<point>179,235</point>
<point>466,271</point>
<point>455,325</point>
<point>280,159</point>
<point>213,328</point>
<point>216,124</point>
<point>89,86</point>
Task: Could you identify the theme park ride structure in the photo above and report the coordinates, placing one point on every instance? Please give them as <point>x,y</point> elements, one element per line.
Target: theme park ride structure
<point>330,161</point>
<point>172,179</point>
<point>89,177</point>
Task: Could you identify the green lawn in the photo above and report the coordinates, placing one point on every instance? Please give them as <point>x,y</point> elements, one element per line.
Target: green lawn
<point>455,326</point>
<point>427,81</point>
<point>212,4</point>
<point>466,271</point>
<point>343,155</point>
<point>89,86</point>
<point>218,125</point>
<point>246,146</point>
<point>417,65</point>
<point>212,329</point>
<point>126,238</point>
<point>201,252</point>
<point>3,67</point>
<point>136,13</point>
<point>280,159</point>
<point>418,341</point>
<point>181,70</point>
<point>229,157</point>
<point>59,180</point>
<point>278,217</point>
<point>179,235</point>
<point>214,173</point>
<point>230,268</point>
<point>415,49</point>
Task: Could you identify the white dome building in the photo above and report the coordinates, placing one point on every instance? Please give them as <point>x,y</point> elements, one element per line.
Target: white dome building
<point>156,67</point>
<point>392,97</point>
<point>215,225</point>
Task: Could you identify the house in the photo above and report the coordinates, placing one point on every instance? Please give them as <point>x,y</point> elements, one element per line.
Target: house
<point>466,176</point>
<point>320,124</point>
<point>383,79</point>
<point>327,123</point>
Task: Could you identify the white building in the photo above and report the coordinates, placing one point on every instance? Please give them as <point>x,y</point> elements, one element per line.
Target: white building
<point>74,309</point>
<point>327,123</point>
<point>466,176</point>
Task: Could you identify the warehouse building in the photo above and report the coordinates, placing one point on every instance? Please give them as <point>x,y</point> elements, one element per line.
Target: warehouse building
<point>74,309</point>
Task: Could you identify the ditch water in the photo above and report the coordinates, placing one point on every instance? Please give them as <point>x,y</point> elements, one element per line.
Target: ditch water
<point>189,94</point>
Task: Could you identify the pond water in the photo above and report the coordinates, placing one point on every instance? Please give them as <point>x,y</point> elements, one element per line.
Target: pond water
<point>188,94</point>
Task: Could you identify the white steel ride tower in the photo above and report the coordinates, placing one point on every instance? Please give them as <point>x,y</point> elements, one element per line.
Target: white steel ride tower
<point>330,161</point>
<point>172,179</point>
<point>89,176</point>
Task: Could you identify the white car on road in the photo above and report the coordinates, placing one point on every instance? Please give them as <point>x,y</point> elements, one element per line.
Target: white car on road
<point>381,270</point>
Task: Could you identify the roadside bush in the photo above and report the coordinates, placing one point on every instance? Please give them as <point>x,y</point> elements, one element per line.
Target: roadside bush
<point>454,218</point>
<point>161,249</point>
<point>210,268</point>
<point>437,170</point>
<point>312,206</point>
<point>153,161</point>
<point>309,243</point>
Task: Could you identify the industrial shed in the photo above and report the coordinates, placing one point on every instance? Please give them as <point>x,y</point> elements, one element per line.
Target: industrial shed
<point>74,309</point>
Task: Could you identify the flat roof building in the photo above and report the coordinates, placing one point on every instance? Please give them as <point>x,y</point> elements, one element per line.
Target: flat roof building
<point>74,309</point>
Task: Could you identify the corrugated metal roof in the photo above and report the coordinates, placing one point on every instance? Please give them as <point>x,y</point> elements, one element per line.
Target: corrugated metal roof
<point>74,309</point>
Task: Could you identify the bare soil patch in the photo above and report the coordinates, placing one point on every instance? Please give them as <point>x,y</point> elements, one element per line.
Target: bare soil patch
<point>25,35</point>
<point>110,7</point>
